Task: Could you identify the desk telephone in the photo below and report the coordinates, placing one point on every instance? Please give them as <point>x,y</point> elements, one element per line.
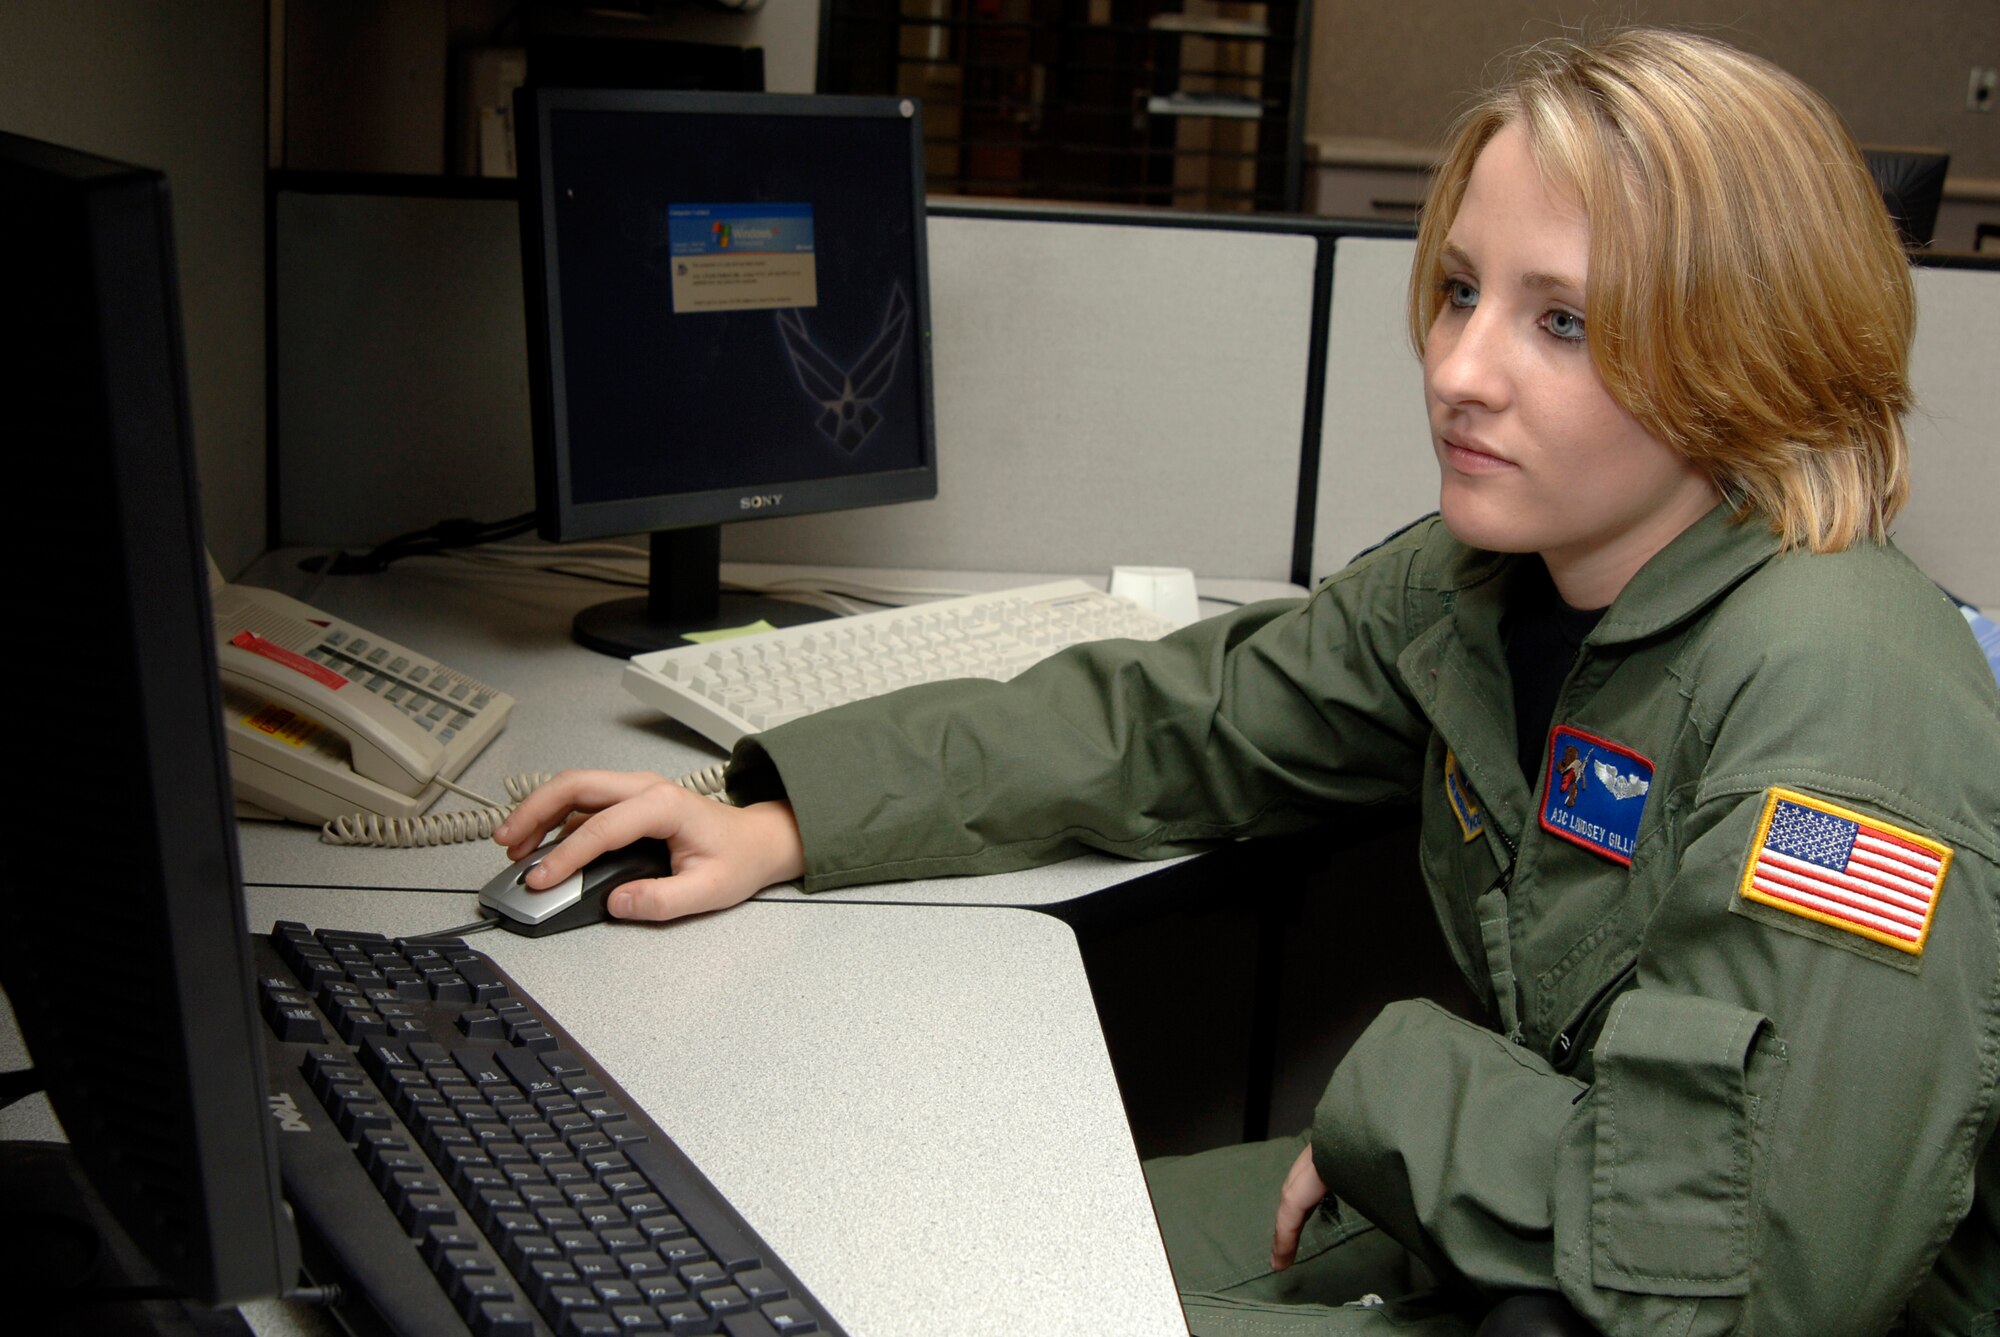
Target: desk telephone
<point>326,719</point>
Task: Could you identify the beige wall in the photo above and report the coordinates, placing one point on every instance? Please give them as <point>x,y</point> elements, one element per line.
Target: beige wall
<point>1897,72</point>
<point>181,88</point>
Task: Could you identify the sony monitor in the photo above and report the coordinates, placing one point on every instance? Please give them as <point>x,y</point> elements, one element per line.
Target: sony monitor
<point>728,319</point>
<point>123,948</point>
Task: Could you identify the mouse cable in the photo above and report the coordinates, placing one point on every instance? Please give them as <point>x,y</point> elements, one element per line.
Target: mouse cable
<point>462,931</point>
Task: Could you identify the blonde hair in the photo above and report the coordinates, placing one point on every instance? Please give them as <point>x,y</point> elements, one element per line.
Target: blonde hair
<point>1748,300</point>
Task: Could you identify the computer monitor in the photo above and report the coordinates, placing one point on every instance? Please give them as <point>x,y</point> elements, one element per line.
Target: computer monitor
<point>123,948</point>
<point>728,319</point>
<point>1912,185</point>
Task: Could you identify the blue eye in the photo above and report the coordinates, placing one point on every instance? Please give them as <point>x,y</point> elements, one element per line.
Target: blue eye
<point>1460,294</point>
<point>1564,325</point>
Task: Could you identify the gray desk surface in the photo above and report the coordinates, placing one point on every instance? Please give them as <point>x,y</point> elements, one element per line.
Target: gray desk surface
<point>511,629</point>
<point>911,1103</point>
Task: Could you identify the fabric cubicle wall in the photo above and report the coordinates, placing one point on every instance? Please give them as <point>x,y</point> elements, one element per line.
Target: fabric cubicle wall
<point>1377,472</point>
<point>1112,386</point>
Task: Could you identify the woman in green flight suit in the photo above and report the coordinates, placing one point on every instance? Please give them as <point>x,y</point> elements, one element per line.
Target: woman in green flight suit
<point>1709,773</point>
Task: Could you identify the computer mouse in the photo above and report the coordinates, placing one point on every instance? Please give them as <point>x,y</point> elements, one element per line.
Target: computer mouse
<point>1167,590</point>
<point>578,899</point>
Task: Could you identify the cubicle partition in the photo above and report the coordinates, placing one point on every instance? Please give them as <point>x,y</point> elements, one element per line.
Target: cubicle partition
<point>1235,394</point>
<point>1377,471</point>
<point>1112,386</point>
<point>1107,391</point>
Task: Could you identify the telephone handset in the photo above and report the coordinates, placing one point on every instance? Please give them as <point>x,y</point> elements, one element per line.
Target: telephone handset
<point>325,719</point>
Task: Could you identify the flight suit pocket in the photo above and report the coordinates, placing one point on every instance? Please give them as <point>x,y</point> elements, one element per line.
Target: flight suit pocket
<point>1676,1124</point>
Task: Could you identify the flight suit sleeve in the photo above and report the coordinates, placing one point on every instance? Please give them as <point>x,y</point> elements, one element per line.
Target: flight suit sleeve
<point>1246,724</point>
<point>1785,1119</point>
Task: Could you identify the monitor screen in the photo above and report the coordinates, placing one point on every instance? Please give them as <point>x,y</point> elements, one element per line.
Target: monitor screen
<point>1912,185</point>
<point>728,317</point>
<point>123,947</point>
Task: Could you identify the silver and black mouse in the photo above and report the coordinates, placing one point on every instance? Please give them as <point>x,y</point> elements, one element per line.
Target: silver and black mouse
<point>579,899</point>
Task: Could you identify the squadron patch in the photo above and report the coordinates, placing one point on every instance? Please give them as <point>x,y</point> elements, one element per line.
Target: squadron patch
<point>1595,792</point>
<point>1837,867</point>
<point>1470,819</point>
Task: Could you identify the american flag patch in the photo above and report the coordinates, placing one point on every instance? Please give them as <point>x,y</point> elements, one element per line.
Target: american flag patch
<point>1829,864</point>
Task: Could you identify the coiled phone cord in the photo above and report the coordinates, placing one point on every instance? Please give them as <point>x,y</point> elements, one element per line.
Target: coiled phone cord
<point>373,830</point>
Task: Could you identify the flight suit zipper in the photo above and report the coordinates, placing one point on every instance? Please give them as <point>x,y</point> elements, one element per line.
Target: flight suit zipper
<point>1562,1050</point>
<point>1491,910</point>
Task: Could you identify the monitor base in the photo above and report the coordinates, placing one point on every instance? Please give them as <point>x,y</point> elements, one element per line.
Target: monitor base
<point>627,627</point>
<point>684,596</point>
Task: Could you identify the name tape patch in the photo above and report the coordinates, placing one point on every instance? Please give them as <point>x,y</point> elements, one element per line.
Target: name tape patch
<point>1595,792</point>
<point>1852,872</point>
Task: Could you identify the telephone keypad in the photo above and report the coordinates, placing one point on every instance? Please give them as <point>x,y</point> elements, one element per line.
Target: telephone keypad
<point>445,702</point>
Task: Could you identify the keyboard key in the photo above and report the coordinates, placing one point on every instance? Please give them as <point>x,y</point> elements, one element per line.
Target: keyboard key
<point>564,1064</point>
<point>529,1072</point>
<point>471,1290</point>
<point>297,1023</point>
<point>387,1166</point>
<point>566,1172</point>
<point>616,1291</point>
<point>621,1131</point>
<point>703,1273</point>
<point>721,1300</point>
<point>789,1316</point>
<point>684,1316</point>
<point>560,1301</point>
<point>686,1249</point>
<point>508,1318</point>
<point>660,1287</point>
<point>522,1249</point>
<point>421,1211</point>
<point>446,1238</point>
<point>480,1023</point>
<point>546,1275</point>
<point>638,1320</point>
<point>623,1239</point>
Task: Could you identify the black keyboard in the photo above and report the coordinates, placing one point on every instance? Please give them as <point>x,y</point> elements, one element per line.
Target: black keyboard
<point>457,1162</point>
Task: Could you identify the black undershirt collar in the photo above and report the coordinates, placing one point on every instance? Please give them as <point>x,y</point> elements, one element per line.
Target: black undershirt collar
<point>1542,636</point>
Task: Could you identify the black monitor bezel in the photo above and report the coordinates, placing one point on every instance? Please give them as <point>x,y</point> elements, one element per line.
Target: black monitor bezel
<point>139,899</point>
<point>561,516</point>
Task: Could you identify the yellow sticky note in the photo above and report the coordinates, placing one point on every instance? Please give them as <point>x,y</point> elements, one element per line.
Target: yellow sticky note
<point>725,633</point>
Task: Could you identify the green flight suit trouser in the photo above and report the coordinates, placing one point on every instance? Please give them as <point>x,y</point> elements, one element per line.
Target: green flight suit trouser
<point>1216,1210</point>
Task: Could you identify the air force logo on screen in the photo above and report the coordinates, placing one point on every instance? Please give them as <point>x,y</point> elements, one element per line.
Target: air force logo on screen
<point>846,395</point>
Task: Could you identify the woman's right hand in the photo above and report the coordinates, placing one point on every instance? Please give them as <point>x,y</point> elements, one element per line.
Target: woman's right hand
<point>721,855</point>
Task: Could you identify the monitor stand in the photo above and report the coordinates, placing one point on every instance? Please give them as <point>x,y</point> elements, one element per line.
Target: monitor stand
<point>684,594</point>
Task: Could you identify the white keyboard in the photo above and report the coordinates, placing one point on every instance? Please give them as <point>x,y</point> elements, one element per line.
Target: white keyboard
<point>726,689</point>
